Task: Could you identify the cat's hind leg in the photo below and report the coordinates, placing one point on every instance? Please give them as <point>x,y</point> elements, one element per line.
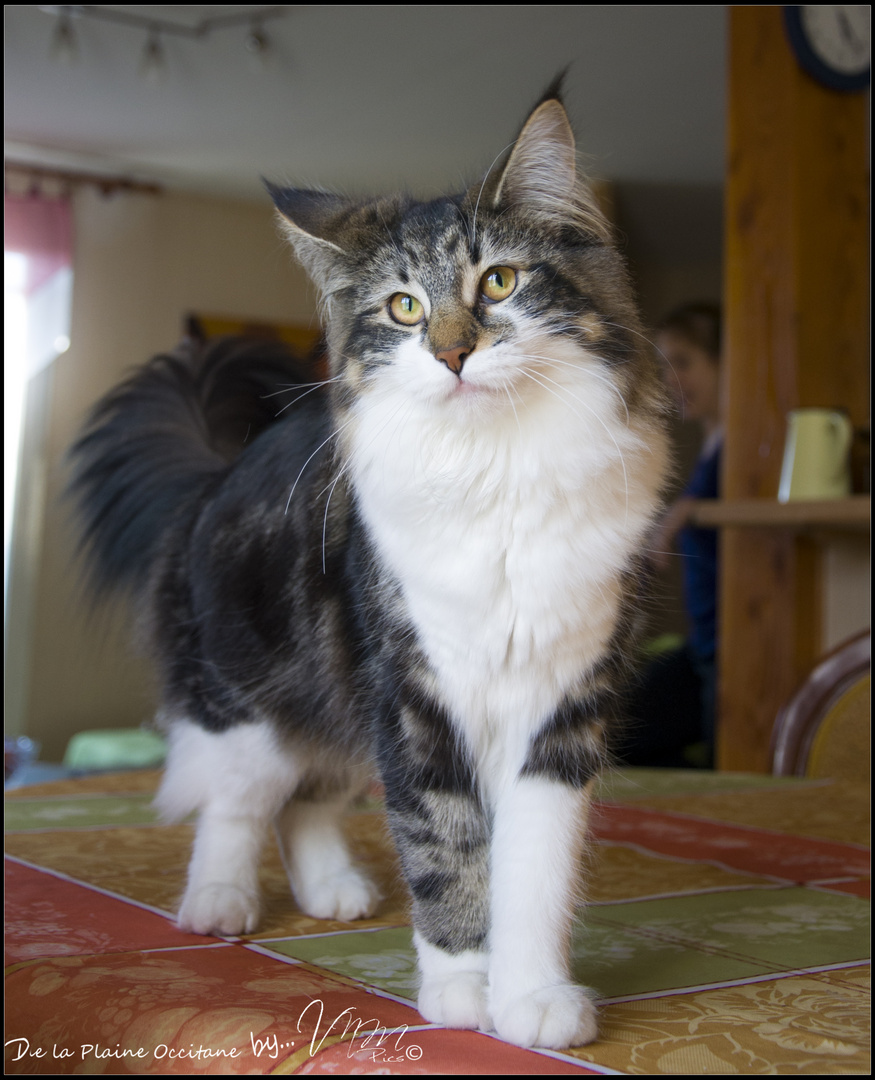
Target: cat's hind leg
<point>237,780</point>
<point>321,869</point>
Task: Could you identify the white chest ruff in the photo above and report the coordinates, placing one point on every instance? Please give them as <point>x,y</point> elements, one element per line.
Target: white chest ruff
<point>509,604</point>
<point>509,546</point>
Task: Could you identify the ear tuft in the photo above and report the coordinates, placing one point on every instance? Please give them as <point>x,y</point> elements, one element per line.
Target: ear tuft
<point>555,91</point>
<point>541,172</point>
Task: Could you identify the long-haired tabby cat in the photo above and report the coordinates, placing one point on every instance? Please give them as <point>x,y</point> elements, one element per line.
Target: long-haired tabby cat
<point>430,565</point>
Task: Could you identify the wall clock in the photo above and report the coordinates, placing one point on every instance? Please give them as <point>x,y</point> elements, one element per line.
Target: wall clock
<point>832,43</point>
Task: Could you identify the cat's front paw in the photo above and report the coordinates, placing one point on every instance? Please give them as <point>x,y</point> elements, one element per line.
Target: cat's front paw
<point>456,1001</point>
<point>345,895</point>
<point>218,909</point>
<point>554,1017</point>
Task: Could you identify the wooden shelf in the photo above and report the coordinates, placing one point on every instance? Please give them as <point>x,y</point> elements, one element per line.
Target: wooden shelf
<point>852,513</point>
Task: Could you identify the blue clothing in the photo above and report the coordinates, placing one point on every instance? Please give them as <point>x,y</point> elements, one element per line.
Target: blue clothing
<point>699,548</point>
<point>672,702</point>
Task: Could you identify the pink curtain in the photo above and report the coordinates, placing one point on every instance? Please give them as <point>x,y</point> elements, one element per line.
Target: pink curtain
<point>41,229</point>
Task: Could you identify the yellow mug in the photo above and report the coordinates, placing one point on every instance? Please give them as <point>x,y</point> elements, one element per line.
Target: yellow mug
<point>816,455</point>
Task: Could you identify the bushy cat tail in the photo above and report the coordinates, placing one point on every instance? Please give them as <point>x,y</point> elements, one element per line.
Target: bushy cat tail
<point>153,448</point>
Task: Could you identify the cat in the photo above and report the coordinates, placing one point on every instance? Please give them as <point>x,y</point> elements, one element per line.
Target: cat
<point>430,565</point>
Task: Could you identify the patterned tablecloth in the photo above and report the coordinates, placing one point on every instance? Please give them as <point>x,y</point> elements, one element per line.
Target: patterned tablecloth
<point>727,931</point>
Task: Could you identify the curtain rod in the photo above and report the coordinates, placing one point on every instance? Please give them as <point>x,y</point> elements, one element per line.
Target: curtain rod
<point>108,184</point>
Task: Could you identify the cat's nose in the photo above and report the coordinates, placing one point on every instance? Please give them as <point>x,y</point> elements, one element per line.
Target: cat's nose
<point>454,358</point>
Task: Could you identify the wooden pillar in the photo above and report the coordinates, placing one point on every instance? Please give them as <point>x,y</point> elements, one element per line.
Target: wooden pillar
<point>796,316</point>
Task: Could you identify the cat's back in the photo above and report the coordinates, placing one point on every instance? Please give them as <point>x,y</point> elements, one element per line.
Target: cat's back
<point>253,598</point>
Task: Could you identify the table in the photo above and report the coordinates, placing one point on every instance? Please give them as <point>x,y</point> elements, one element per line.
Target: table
<point>727,931</point>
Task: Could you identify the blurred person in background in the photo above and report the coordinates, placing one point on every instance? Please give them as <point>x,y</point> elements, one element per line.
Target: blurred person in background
<point>674,702</point>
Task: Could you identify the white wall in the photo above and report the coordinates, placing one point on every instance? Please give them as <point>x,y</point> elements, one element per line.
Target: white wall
<point>140,264</point>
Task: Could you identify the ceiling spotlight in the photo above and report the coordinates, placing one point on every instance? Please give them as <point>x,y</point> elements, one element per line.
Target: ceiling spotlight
<point>258,45</point>
<point>65,45</point>
<point>153,61</point>
<point>153,65</point>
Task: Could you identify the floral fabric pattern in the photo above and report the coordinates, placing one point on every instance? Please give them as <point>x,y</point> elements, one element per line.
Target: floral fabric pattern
<point>726,931</point>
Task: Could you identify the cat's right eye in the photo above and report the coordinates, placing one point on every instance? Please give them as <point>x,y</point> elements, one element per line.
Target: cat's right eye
<point>406,309</point>
<point>498,283</point>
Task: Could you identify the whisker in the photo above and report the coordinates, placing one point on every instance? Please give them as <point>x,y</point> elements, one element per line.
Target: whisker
<point>313,387</point>
<point>287,387</point>
<point>529,375</point>
<point>325,518</point>
<point>333,435</point>
<point>662,356</point>
<point>480,192</point>
<point>331,486</point>
<point>589,370</point>
<point>659,551</point>
<point>510,399</point>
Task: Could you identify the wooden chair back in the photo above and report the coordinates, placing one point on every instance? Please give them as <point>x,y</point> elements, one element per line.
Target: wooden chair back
<point>824,729</point>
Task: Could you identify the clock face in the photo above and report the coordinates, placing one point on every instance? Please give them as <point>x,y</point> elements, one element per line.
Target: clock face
<point>832,42</point>
<point>839,35</point>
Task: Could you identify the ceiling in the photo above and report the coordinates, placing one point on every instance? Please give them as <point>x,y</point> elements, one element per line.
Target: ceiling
<point>367,98</point>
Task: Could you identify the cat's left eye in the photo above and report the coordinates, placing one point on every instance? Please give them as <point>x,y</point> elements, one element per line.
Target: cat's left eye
<point>406,309</point>
<point>498,283</point>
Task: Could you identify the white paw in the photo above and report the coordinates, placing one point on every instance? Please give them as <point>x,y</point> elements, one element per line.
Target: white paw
<point>556,1017</point>
<point>218,909</point>
<point>456,1001</point>
<point>345,895</point>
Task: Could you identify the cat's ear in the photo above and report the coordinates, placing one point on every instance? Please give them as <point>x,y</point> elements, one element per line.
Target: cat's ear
<point>541,172</point>
<point>311,221</point>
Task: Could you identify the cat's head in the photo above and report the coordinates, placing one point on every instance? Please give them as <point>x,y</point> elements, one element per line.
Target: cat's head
<point>480,300</point>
